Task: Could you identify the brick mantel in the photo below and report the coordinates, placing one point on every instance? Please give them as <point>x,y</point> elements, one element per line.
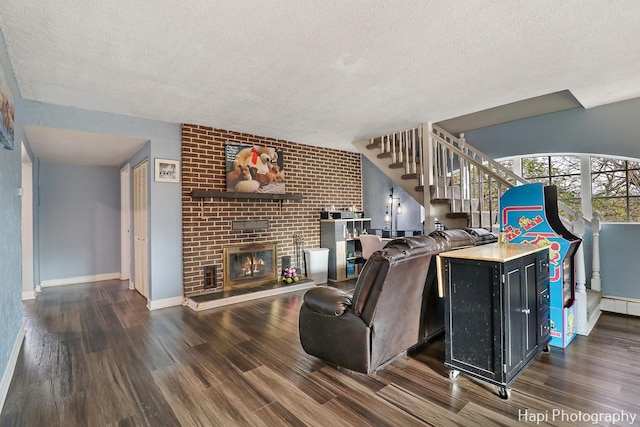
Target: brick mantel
<point>323,177</point>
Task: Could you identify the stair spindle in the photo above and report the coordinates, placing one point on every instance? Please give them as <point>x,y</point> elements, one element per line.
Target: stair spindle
<point>407,160</point>
<point>421,157</point>
<point>414,166</point>
<point>394,157</point>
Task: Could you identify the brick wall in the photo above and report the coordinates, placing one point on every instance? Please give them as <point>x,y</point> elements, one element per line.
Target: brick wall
<point>324,177</point>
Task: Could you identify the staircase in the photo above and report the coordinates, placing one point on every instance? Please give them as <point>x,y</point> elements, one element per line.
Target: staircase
<point>464,185</point>
<point>460,187</point>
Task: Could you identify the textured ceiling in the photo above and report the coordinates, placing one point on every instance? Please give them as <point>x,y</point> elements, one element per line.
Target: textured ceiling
<point>69,146</point>
<point>319,72</point>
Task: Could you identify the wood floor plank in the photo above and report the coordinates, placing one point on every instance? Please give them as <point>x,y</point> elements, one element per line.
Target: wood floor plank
<point>362,399</point>
<point>423,409</point>
<point>282,391</point>
<point>184,394</point>
<point>275,414</point>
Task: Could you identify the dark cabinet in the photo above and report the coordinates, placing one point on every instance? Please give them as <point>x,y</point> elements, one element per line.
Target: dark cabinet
<point>496,310</point>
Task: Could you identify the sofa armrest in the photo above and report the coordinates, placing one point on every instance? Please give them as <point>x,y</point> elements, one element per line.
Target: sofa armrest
<point>327,301</point>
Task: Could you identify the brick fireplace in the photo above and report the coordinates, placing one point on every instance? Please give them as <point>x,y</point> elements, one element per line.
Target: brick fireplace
<point>323,176</point>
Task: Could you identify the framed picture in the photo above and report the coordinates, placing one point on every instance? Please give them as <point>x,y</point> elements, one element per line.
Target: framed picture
<point>167,170</point>
<point>6,112</point>
<point>254,169</point>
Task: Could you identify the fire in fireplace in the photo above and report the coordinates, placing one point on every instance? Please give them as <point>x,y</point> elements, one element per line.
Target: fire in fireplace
<point>249,264</point>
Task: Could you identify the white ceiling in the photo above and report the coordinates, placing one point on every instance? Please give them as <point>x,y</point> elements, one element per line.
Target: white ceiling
<point>319,72</point>
<point>70,146</point>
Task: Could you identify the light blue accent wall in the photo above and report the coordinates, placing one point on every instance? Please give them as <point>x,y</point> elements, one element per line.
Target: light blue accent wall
<point>620,260</point>
<point>10,227</point>
<point>80,221</point>
<point>165,214</point>
<point>608,130</point>
<point>375,193</point>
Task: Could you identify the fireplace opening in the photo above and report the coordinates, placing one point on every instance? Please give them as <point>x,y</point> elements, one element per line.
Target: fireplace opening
<point>249,265</point>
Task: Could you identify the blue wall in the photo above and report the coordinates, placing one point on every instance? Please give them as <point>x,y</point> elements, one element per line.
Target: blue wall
<point>375,193</point>
<point>608,130</point>
<point>80,221</point>
<point>620,260</point>
<point>10,228</point>
<point>165,214</point>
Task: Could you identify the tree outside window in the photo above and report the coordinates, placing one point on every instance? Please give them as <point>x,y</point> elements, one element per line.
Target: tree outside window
<point>615,183</point>
<point>561,171</point>
<point>615,189</point>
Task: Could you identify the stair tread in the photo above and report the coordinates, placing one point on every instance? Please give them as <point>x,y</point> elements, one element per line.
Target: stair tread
<point>440,201</point>
<point>457,215</point>
<point>410,176</point>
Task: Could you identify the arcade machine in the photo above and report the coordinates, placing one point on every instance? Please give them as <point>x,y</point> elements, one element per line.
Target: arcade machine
<point>529,214</point>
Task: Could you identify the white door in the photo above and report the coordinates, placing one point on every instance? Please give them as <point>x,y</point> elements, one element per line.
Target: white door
<point>125,223</point>
<point>141,228</point>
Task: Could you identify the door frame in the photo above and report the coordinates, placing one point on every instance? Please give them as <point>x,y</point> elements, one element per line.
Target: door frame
<point>28,278</point>
<point>125,224</point>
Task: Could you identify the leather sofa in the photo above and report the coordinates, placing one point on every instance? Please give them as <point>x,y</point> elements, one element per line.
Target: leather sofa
<point>394,306</point>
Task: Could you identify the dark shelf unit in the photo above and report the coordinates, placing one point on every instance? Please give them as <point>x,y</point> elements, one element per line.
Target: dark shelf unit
<point>208,194</point>
<point>340,236</point>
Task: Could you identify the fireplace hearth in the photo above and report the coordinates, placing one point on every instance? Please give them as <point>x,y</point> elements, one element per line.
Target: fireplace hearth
<point>249,264</point>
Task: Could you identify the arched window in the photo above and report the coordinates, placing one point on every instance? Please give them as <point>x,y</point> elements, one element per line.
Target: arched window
<point>608,185</point>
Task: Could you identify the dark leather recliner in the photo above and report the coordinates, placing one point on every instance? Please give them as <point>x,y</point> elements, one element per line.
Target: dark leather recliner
<point>384,316</point>
<point>395,305</point>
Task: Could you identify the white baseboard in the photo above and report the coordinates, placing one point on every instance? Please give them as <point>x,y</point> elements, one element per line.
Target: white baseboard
<point>132,285</point>
<point>164,303</point>
<point>11,365</point>
<point>620,305</point>
<point>27,295</point>
<point>79,279</point>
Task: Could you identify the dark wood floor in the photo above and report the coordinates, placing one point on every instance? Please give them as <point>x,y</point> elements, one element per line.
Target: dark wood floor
<point>93,356</point>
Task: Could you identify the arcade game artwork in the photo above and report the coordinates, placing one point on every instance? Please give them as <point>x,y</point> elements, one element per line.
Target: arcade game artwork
<point>529,215</point>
